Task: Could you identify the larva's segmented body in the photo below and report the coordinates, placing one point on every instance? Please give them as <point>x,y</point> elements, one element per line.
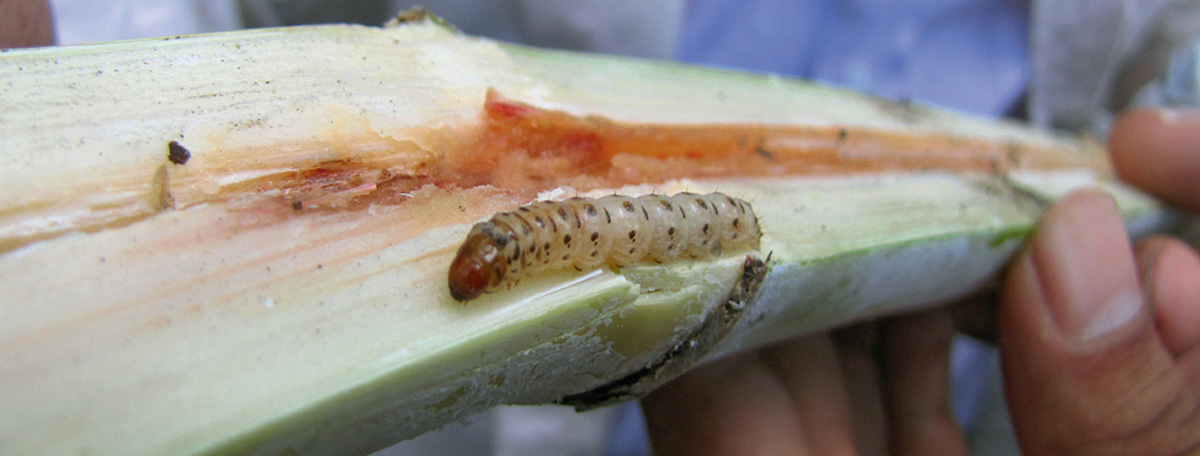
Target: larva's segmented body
<point>589,232</point>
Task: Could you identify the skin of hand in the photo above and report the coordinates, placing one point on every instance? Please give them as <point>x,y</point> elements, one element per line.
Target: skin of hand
<point>25,23</point>
<point>1100,341</point>
<point>1099,344</point>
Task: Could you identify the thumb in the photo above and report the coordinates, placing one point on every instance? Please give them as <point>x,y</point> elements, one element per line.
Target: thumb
<point>1085,370</point>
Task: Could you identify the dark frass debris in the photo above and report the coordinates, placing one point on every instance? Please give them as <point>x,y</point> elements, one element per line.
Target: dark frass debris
<point>178,154</point>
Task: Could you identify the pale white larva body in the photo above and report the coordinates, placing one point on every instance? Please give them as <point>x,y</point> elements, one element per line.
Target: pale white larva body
<point>585,233</point>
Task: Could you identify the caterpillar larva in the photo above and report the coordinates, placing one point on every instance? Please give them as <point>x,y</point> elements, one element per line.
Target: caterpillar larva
<point>588,232</point>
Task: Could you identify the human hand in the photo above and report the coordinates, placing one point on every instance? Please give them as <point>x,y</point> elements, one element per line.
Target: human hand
<point>25,23</point>
<point>1098,342</point>
<point>874,388</point>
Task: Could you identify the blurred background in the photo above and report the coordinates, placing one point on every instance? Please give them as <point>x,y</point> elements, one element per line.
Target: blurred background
<point>1067,64</point>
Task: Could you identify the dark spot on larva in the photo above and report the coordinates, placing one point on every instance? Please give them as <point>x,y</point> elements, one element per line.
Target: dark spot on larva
<point>731,201</point>
<point>562,213</point>
<point>632,234</point>
<point>682,212</point>
<point>671,231</point>
<point>842,134</point>
<point>705,228</point>
<point>704,242</point>
<point>607,216</point>
<point>716,210</point>
<point>670,247</point>
<point>547,246</point>
<point>595,235</point>
<point>631,249</point>
<point>567,240</point>
<point>764,153</point>
<point>538,219</point>
<point>178,154</point>
<point>553,226</point>
<point>591,209</point>
<point>524,209</point>
<point>566,257</point>
<point>525,226</point>
<point>700,202</point>
<point>645,214</point>
<point>532,248</point>
<point>666,203</point>
<point>297,205</point>
<point>735,222</point>
<point>516,254</point>
<point>627,206</point>
<point>594,253</point>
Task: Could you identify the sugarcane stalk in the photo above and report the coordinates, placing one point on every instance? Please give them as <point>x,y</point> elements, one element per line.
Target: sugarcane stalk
<point>275,280</point>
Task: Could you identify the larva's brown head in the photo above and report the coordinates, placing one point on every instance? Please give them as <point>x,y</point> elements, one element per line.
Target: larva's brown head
<point>478,265</point>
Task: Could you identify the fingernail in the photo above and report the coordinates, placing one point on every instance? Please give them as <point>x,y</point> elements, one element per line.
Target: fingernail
<point>1170,116</point>
<point>1112,314</point>
<point>1086,266</point>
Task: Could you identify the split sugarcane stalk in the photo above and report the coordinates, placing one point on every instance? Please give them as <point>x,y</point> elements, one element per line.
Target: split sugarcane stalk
<point>239,242</point>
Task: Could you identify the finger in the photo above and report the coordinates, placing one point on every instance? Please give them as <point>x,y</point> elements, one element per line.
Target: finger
<point>1159,151</point>
<point>1171,276</point>
<point>1170,272</point>
<point>809,370</point>
<point>868,422</point>
<point>732,406</point>
<point>917,354</point>
<point>25,23</point>
<point>1189,365</point>
<point>1085,372</point>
